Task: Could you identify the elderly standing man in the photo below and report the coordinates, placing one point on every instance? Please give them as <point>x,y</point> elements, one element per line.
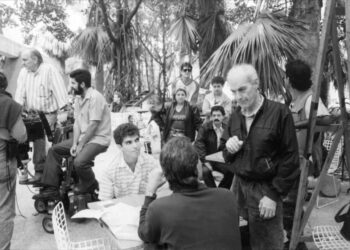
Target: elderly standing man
<point>262,149</point>
<point>40,87</point>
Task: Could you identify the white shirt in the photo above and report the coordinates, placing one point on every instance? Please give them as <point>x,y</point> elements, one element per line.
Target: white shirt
<point>118,180</point>
<point>210,100</point>
<point>42,90</point>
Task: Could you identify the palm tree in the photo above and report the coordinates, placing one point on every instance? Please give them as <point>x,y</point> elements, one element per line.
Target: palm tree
<point>266,43</point>
<point>93,46</point>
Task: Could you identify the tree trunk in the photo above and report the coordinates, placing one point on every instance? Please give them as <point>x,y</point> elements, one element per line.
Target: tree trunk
<point>308,11</point>
<point>99,79</point>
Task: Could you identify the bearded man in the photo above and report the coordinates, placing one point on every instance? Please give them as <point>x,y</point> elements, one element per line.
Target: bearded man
<point>91,136</point>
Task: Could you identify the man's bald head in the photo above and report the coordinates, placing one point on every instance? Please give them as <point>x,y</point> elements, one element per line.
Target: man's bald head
<point>32,59</point>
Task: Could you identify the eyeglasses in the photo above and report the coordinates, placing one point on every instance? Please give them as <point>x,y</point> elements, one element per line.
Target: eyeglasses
<point>187,70</point>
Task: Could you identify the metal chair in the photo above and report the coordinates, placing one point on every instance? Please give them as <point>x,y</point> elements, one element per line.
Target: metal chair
<point>63,240</point>
<point>329,238</point>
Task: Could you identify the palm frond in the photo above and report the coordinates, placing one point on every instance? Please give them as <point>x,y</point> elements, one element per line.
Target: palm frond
<point>185,32</point>
<point>266,43</point>
<point>213,31</point>
<point>92,45</point>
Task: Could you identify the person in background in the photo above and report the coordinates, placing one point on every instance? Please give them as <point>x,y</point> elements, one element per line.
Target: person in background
<point>298,77</point>
<point>127,172</point>
<point>12,131</point>
<point>178,119</point>
<point>208,142</point>
<point>298,82</point>
<point>91,136</point>
<point>117,104</point>
<point>40,87</point>
<point>217,98</point>
<point>186,82</point>
<point>262,150</point>
<point>193,216</point>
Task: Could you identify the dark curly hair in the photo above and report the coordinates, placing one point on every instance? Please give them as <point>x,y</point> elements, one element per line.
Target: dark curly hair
<point>299,74</point>
<point>218,79</point>
<point>218,108</point>
<point>82,75</point>
<point>3,81</point>
<point>124,130</point>
<point>179,159</point>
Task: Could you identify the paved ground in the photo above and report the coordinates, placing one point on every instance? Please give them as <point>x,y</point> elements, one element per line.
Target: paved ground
<point>29,233</point>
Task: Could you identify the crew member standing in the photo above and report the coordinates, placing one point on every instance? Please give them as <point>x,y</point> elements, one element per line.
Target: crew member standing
<point>40,87</point>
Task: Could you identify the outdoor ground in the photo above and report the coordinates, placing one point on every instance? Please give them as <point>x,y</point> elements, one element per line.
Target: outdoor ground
<point>30,235</point>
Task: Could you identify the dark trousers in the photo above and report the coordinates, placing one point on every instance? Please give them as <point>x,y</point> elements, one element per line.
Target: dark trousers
<point>82,163</point>
<point>39,145</point>
<point>208,178</point>
<point>263,234</point>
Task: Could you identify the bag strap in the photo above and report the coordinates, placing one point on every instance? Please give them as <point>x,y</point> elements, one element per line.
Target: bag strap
<point>340,218</point>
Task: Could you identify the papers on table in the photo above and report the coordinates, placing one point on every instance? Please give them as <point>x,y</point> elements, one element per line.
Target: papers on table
<point>121,219</point>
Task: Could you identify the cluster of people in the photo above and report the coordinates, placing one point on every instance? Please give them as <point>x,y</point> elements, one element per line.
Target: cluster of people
<point>257,139</point>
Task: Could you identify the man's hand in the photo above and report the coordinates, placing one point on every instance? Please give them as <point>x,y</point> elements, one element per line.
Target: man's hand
<point>233,145</point>
<point>267,208</point>
<point>79,148</point>
<point>155,180</point>
<point>73,150</point>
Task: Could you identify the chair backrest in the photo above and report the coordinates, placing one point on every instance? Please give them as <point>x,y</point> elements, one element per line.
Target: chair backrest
<point>60,228</point>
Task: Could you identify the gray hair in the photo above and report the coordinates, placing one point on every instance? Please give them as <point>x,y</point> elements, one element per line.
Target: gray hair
<point>248,69</point>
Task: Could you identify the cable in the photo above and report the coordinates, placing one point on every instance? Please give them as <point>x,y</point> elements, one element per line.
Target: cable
<point>19,210</point>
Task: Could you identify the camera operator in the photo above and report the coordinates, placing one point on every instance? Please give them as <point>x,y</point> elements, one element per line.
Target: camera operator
<point>12,131</point>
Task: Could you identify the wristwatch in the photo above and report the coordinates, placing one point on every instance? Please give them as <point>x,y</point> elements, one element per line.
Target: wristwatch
<point>151,195</point>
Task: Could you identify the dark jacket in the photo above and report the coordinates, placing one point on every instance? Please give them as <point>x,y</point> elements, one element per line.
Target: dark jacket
<point>202,218</point>
<point>164,120</point>
<point>206,141</point>
<point>270,150</point>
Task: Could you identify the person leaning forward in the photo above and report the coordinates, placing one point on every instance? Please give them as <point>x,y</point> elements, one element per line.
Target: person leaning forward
<point>262,150</point>
<point>193,216</point>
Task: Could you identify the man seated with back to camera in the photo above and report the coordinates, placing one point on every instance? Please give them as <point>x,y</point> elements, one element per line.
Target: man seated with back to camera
<point>91,136</point>
<point>193,216</point>
<point>208,142</point>
<point>127,172</point>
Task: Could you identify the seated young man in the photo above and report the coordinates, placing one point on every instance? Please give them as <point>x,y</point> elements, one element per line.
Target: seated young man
<point>194,216</point>
<point>208,142</point>
<point>91,136</point>
<point>127,173</point>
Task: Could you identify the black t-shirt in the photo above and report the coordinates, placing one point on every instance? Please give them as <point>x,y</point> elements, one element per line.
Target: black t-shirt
<point>178,119</point>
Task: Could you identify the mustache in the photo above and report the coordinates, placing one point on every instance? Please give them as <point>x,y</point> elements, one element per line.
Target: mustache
<point>216,120</point>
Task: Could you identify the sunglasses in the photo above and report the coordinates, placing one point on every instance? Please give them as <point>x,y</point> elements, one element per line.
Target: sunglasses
<point>187,70</point>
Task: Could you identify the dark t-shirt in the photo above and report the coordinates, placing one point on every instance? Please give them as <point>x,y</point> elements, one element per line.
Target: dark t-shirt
<point>178,119</point>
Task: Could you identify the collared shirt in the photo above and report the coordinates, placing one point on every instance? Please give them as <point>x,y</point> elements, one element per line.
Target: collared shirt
<point>42,90</point>
<point>190,88</point>
<point>93,108</point>
<point>210,100</point>
<point>219,131</point>
<point>118,180</point>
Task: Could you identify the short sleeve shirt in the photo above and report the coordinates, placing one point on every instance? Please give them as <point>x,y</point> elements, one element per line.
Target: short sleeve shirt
<point>93,108</point>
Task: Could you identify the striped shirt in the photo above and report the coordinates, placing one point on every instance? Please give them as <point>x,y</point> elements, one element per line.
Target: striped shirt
<point>118,180</point>
<point>42,90</point>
